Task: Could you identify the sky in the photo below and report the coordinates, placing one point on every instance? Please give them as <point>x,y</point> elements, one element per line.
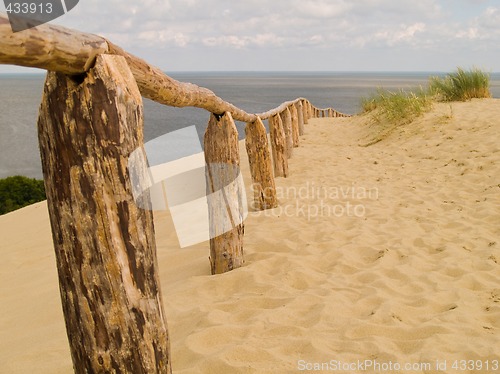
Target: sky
<point>298,35</point>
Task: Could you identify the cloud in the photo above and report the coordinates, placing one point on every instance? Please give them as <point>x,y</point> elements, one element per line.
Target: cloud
<point>249,23</point>
<point>322,8</point>
<point>484,29</point>
<point>402,34</point>
<point>489,20</point>
<point>177,28</point>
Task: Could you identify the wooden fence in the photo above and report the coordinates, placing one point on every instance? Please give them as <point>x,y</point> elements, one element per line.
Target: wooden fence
<point>90,120</point>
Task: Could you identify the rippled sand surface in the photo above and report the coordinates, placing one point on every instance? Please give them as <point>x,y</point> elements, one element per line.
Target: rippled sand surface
<point>388,253</point>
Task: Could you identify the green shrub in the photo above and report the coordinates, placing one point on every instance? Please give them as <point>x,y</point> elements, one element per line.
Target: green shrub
<point>461,85</point>
<point>18,191</point>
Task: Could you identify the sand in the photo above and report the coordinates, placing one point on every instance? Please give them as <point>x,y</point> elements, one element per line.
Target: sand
<point>388,253</point>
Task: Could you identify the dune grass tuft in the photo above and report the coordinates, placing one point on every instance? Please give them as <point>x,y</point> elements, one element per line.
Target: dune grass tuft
<point>461,85</point>
<point>397,107</point>
<point>389,110</point>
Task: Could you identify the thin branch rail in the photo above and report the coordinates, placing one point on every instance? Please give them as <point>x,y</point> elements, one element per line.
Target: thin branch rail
<point>71,52</point>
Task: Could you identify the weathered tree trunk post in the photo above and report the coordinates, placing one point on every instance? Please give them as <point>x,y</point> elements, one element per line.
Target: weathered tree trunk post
<point>259,157</point>
<point>300,114</point>
<point>305,108</point>
<point>295,125</point>
<point>286,118</point>
<point>278,145</point>
<point>225,195</point>
<point>105,245</point>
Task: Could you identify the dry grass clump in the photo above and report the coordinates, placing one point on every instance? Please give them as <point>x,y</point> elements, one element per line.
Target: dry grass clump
<point>461,85</point>
<point>388,110</point>
<point>397,107</point>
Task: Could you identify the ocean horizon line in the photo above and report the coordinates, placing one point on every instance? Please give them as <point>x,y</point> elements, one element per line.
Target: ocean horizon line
<point>266,72</point>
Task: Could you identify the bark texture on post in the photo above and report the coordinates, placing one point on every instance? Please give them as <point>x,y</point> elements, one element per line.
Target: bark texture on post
<point>105,245</point>
<point>295,125</point>
<point>259,157</point>
<point>225,194</point>
<point>310,113</point>
<point>305,109</point>
<point>300,114</point>
<point>286,118</point>
<point>278,145</point>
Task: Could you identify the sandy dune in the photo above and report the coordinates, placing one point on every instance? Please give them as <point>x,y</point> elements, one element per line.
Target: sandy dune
<point>388,253</point>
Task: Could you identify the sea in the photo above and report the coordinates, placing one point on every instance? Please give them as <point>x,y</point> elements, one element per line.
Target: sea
<point>255,92</point>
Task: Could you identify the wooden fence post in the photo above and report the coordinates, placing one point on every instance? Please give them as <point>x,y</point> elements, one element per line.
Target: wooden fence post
<point>305,108</point>
<point>259,157</point>
<point>295,125</point>
<point>278,145</point>
<point>286,118</point>
<point>225,205</point>
<point>105,246</point>
<point>300,114</point>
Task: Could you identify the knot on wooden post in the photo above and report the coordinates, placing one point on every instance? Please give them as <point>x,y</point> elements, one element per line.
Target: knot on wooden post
<point>225,194</point>
<point>259,158</point>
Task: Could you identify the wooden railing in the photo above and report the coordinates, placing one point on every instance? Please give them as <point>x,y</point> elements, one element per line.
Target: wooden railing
<point>90,121</point>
